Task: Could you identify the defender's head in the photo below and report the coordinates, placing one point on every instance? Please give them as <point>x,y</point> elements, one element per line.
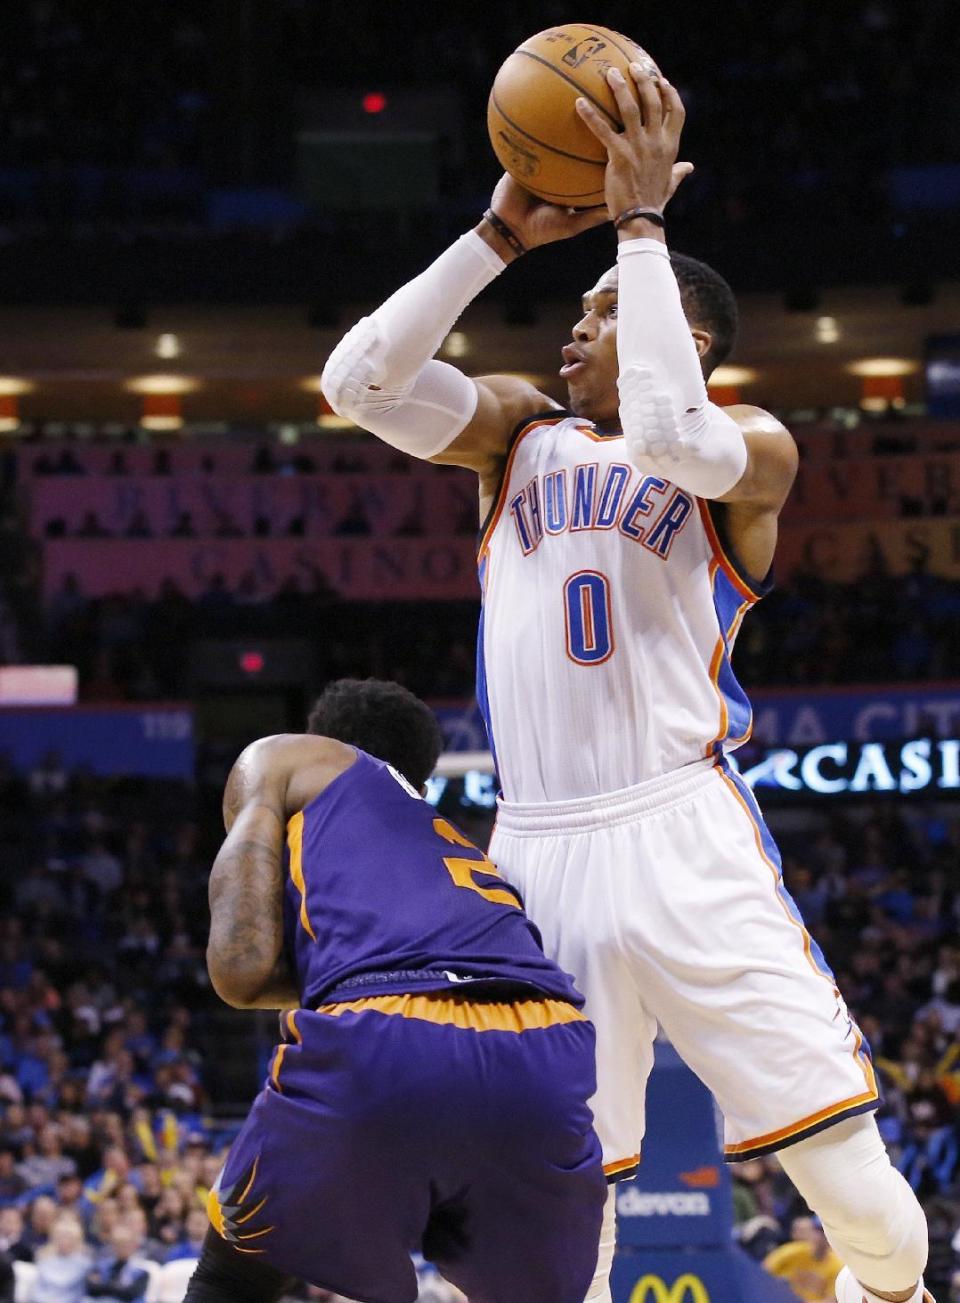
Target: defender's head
<point>383,719</point>
<point>591,367</point>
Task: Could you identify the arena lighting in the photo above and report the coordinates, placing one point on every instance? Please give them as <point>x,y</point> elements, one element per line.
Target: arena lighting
<point>11,387</point>
<point>733,375</point>
<point>725,381</point>
<point>826,330</point>
<point>456,344</point>
<point>162,384</point>
<point>883,366</point>
<point>167,346</point>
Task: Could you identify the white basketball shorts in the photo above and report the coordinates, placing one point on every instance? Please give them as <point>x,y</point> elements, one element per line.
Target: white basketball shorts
<point>666,903</point>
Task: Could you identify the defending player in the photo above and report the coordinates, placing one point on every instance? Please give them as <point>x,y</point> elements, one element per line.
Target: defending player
<point>430,1090</point>
<point>625,541</point>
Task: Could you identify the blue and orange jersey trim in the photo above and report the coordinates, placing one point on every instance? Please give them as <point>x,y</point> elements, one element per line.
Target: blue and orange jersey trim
<point>863,1102</point>
<point>525,427</point>
<point>751,590</point>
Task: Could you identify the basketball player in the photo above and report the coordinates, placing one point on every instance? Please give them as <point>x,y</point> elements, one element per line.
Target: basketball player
<point>625,539</point>
<point>430,1090</point>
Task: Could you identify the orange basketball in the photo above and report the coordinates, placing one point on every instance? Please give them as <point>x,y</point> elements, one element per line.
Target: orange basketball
<point>535,130</point>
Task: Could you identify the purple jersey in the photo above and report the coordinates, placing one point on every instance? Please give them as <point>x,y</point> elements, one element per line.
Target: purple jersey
<point>385,896</point>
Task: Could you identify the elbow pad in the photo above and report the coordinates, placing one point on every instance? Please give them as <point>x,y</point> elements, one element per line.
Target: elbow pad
<point>380,374</point>
<point>702,449</point>
<point>421,416</point>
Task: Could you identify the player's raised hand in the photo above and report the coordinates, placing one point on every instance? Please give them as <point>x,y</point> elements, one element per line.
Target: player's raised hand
<point>534,221</point>
<point>642,170</point>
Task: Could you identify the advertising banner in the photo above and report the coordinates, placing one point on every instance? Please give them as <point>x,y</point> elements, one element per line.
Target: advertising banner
<point>363,569</point>
<point>796,717</point>
<point>154,741</point>
<point>318,505</point>
<point>697,1276</point>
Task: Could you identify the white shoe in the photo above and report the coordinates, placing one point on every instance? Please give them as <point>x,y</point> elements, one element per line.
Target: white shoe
<point>849,1289</point>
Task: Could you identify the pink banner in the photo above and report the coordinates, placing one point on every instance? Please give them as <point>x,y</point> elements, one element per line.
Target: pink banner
<point>362,569</point>
<point>876,488</point>
<point>239,456</point>
<point>429,500</point>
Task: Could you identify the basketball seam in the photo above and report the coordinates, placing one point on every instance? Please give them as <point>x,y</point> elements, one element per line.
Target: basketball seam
<point>538,58</point>
<point>576,158</point>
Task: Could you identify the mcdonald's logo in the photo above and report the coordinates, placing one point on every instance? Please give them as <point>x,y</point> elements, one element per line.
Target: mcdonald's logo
<point>685,1289</point>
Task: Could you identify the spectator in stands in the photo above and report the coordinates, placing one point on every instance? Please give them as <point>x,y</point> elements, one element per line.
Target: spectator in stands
<point>807,1263</point>
<point>355,522</point>
<point>46,1162</point>
<point>118,1275</point>
<point>62,1263</point>
<point>139,525</point>
<point>184,528</point>
<point>12,1182</point>
<point>91,527</point>
<point>226,526</point>
<point>13,1239</point>
<point>191,1241</point>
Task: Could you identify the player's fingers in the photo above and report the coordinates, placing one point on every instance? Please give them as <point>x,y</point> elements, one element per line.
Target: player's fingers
<point>627,105</point>
<point>673,107</point>
<point>648,94</point>
<point>597,123</point>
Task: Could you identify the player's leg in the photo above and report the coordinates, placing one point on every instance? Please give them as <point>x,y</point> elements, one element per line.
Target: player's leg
<point>225,1276</point>
<point>521,1204</point>
<point>316,1184</point>
<point>569,892</point>
<point>744,994</point>
<point>869,1213</point>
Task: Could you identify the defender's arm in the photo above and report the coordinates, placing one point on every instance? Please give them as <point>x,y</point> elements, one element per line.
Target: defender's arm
<point>245,949</point>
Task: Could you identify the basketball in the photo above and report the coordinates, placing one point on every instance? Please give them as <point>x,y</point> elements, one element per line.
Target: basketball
<point>534,127</point>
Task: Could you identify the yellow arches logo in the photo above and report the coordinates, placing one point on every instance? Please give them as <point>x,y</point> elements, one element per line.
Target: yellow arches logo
<point>685,1289</point>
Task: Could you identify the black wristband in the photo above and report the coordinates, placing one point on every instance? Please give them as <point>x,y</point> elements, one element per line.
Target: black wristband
<point>503,230</point>
<point>648,214</point>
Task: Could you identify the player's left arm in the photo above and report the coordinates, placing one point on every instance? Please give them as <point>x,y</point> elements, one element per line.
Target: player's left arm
<point>771,460</point>
<point>245,950</point>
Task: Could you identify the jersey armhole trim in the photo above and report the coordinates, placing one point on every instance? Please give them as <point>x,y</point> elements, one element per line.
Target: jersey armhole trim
<point>550,417</point>
<point>745,583</point>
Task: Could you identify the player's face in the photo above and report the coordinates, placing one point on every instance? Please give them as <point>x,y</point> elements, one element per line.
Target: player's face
<point>590,365</point>
<point>590,362</point>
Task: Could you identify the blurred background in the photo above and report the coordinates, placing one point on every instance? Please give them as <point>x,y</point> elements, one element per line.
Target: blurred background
<point>196,199</point>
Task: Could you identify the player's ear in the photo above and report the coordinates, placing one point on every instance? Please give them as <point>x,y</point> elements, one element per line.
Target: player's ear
<point>702,339</point>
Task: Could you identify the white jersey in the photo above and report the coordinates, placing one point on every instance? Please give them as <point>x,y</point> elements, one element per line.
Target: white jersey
<point>609,613</point>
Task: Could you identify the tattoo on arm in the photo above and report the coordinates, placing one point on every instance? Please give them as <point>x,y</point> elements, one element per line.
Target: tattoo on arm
<point>246,914</point>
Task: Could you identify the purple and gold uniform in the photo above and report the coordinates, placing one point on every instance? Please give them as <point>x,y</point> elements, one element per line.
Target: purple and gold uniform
<point>431,1092</point>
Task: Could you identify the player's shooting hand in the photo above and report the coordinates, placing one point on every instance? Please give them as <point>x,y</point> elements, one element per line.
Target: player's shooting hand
<point>642,170</point>
<point>534,221</point>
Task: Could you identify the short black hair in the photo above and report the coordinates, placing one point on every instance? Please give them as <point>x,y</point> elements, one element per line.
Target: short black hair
<point>708,301</point>
<point>385,720</point>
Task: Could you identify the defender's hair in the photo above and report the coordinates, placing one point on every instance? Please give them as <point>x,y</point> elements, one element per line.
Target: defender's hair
<point>385,720</point>
<point>708,301</point>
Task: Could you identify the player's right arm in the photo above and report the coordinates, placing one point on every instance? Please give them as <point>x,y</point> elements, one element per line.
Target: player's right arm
<point>383,374</point>
<point>271,780</point>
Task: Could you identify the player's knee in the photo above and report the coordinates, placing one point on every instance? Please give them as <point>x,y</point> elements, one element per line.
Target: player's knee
<point>869,1213</point>
<point>599,1291</point>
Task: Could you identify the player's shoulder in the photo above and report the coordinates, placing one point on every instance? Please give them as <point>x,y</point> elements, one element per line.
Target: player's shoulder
<point>289,751</point>
<point>756,420</point>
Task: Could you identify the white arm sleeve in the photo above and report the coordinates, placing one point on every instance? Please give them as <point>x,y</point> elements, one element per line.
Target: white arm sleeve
<point>381,375</point>
<point>670,426</point>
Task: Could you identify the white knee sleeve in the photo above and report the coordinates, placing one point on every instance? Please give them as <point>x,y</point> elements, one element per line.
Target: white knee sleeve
<point>599,1291</point>
<point>869,1213</point>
